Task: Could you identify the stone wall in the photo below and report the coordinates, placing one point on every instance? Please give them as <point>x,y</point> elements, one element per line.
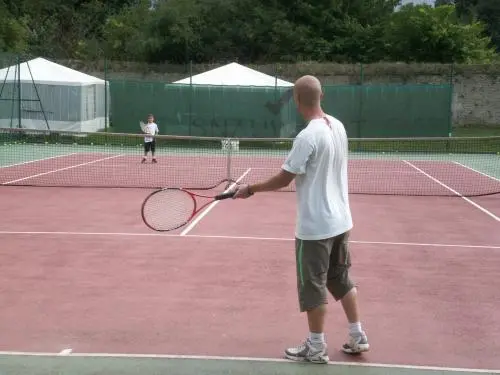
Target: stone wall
<point>476,88</point>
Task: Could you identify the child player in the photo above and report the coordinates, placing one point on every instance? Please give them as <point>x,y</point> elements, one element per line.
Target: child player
<point>149,141</point>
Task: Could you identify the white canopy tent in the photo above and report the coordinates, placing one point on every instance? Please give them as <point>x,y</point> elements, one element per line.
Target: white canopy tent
<point>234,74</point>
<point>251,87</point>
<point>69,99</point>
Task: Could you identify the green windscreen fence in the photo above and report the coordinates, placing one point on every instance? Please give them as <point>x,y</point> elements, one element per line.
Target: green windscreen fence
<point>269,112</point>
<point>208,111</point>
<point>391,110</point>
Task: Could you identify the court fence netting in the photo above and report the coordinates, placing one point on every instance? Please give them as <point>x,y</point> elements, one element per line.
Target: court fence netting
<point>464,166</point>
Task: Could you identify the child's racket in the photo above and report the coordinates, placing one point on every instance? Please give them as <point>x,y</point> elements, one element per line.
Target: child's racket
<point>171,208</point>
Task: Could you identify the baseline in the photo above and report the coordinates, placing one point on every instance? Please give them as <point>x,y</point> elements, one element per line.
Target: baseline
<point>247,359</point>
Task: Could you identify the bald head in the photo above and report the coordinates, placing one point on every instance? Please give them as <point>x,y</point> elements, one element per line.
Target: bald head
<point>308,92</point>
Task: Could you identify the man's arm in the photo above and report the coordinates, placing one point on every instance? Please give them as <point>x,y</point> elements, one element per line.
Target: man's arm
<point>278,181</point>
<point>295,164</point>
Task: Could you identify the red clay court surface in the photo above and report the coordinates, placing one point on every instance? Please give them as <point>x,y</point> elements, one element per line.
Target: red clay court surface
<point>81,273</point>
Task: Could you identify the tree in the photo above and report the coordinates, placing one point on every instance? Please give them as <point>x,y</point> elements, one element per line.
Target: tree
<point>439,3</point>
<point>427,34</point>
<point>251,31</point>
<point>487,11</point>
<point>126,33</point>
<point>263,30</point>
<point>64,29</point>
<point>13,32</point>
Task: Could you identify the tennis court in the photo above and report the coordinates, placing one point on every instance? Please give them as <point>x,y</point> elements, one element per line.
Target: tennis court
<point>88,288</point>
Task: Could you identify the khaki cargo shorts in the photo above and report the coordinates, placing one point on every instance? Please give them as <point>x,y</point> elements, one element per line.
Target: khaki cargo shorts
<point>322,265</point>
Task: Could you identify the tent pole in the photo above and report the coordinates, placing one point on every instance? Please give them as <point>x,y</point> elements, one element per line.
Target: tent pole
<point>19,92</point>
<point>13,99</point>
<point>3,86</point>
<point>4,81</point>
<point>37,95</point>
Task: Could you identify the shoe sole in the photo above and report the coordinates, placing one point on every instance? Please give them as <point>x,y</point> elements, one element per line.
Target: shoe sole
<point>303,359</point>
<point>362,349</point>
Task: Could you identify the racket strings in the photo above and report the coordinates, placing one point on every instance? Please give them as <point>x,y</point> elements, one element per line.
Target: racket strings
<point>169,209</point>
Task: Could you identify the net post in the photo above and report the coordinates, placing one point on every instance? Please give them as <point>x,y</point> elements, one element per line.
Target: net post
<point>276,96</point>
<point>229,145</point>
<point>450,109</point>
<point>450,119</point>
<point>228,172</point>
<point>190,95</point>
<point>19,96</point>
<point>105,94</point>
<point>361,100</point>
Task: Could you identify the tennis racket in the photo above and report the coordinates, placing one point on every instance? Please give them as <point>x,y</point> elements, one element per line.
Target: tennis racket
<point>171,208</point>
<point>144,128</point>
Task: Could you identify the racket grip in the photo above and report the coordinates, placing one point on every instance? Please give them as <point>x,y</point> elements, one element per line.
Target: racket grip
<point>224,196</point>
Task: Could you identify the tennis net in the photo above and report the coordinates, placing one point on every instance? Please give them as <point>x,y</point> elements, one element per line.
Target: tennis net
<point>391,166</point>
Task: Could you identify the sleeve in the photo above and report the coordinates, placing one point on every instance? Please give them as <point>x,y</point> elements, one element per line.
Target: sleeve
<point>298,156</point>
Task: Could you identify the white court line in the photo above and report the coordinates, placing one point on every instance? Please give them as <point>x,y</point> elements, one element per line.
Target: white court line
<point>248,359</point>
<point>250,238</point>
<point>36,160</point>
<point>60,169</point>
<point>475,170</point>
<point>212,205</point>
<point>65,351</point>
<point>455,192</point>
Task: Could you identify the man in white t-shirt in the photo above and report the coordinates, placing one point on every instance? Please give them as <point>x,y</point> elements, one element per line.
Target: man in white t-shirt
<point>149,141</point>
<point>318,163</point>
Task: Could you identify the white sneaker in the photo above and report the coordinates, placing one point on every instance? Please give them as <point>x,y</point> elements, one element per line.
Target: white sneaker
<point>356,344</point>
<point>308,352</point>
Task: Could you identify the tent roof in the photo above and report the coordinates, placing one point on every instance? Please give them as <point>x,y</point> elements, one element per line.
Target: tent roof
<point>234,74</point>
<point>47,72</point>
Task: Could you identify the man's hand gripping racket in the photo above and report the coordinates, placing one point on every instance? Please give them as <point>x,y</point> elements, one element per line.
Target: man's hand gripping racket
<point>241,191</point>
<point>172,208</point>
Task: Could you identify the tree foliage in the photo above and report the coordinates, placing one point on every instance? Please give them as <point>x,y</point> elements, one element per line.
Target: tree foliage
<point>489,13</point>
<point>435,35</point>
<point>178,31</point>
<point>486,11</point>
<point>13,31</point>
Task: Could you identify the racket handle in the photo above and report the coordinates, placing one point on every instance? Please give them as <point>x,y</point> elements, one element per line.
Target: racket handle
<point>224,196</point>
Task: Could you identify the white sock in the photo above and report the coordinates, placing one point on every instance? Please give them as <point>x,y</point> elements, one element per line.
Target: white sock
<point>317,338</point>
<point>355,329</point>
